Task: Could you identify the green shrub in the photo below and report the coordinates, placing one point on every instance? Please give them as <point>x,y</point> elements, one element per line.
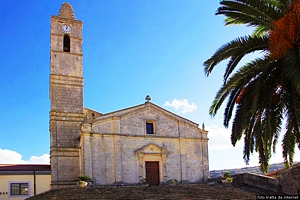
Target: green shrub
<point>83,177</point>
<point>226,175</point>
<point>144,181</point>
<point>173,181</point>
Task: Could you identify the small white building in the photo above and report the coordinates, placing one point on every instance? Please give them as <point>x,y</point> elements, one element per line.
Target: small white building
<point>21,181</point>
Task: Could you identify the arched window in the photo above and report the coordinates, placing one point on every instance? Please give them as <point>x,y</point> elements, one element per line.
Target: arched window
<point>66,47</point>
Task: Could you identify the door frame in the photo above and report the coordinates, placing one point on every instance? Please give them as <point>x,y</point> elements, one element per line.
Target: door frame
<point>152,152</point>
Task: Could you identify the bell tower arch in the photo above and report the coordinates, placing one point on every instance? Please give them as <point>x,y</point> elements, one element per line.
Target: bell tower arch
<point>66,96</point>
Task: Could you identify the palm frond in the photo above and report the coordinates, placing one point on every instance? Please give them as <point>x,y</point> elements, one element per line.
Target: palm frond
<point>236,50</point>
<point>260,31</point>
<point>288,146</point>
<point>251,12</point>
<point>292,69</point>
<point>241,18</point>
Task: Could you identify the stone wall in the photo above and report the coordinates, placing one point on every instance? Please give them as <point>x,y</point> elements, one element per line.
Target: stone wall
<point>259,181</point>
<point>114,148</point>
<point>65,63</point>
<point>113,158</point>
<point>290,179</point>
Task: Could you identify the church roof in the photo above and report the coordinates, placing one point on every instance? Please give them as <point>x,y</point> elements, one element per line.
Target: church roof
<point>146,105</point>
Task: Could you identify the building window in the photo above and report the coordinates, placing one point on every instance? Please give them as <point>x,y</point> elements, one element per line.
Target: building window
<point>66,47</point>
<point>19,189</point>
<point>150,129</point>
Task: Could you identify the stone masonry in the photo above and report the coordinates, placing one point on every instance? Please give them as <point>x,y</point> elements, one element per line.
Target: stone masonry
<point>66,87</point>
<point>115,147</point>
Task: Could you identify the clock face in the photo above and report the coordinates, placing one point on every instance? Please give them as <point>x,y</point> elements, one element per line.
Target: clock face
<point>66,28</point>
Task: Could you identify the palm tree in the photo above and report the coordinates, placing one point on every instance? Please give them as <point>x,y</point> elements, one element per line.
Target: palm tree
<point>265,92</point>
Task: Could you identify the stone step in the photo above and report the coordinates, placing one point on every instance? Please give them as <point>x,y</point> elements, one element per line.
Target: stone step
<point>201,191</point>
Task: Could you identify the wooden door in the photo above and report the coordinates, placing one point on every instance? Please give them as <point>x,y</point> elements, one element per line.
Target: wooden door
<point>152,173</point>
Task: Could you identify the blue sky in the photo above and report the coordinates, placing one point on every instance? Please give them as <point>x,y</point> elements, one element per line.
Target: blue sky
<point>130,49</point>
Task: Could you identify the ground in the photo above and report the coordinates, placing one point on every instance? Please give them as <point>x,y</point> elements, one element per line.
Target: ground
<point>201,191</point>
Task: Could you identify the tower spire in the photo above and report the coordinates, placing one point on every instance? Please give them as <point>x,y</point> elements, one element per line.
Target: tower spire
<point>66,11</point>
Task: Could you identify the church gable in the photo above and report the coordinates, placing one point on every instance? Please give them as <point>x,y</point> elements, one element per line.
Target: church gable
<point>90,115</point>
<point>148,120</point>
<point>135,109</point>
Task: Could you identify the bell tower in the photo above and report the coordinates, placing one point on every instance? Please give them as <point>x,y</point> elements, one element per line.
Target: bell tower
<point>66,96</point>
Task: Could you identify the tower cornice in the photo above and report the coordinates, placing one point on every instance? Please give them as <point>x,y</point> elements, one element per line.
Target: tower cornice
<point>63,20</point>
<point>71,36</point>
<point>67,53</point>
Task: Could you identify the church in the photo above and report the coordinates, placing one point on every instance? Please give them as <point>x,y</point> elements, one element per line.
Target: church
<point>121,147</point>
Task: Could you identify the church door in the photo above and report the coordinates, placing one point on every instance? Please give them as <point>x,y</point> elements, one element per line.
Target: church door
<point>152,173</point>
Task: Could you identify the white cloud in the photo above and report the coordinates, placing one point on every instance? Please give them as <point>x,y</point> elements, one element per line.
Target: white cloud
<point>12,157</point>
<point>219,138</point>
<point>182,105</point>
<point>222,155</point>
<point>43,159</point>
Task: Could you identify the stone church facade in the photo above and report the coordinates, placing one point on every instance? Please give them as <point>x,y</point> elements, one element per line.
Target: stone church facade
<point>117,148</point>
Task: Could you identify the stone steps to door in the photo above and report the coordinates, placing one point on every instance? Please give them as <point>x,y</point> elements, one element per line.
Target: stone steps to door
<point>195,191</point>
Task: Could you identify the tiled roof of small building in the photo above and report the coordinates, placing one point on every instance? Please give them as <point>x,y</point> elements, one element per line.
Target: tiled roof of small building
<point>271,173</point>
<point>24,167</point>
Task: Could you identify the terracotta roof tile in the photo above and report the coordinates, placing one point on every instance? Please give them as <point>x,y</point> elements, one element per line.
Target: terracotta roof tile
<point>274,172</point>
<point>24,167</point>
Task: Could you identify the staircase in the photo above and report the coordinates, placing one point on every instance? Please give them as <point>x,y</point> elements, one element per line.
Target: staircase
<point>201,191</point>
